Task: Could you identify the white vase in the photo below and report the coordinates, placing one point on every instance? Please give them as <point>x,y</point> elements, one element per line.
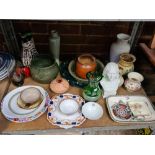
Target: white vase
<point>120,46</point>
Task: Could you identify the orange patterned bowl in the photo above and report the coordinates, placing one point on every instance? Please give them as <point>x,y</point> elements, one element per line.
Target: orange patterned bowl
<point>84,64</point>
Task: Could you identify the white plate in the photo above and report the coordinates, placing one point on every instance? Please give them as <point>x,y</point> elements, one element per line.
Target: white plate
<point>13,112</point>
<point>125,99</point>
<point>56,117</point>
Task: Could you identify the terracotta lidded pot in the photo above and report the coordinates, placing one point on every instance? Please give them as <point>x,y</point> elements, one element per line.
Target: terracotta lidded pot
<point>85,63</point>
<point>59,85</point>
<point>126,63</point>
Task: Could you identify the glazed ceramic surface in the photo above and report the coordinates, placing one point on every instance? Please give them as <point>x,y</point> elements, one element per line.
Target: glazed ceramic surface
<point>84,64</point>
<point>126,63</point>
<point>54,43</point>
<point>92,91</point>
<point>44,69</point>
<point>56,117</point>
<point>92,110</point>
<point>28,49</point>
<point>132,85</point>
<point>65,74</point>
<point>7,64</point>
<point>120,110</point>
<point>14,113</point>
<point>71,69</point>
<point>120,46</point>
<point>136,76</point>
<point>69,106</point>
<point>59,85</point>
<point>121,81</point>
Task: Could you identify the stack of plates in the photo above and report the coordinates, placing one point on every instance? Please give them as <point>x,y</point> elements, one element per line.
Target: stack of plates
<point>14,113</point>
<point>7,64</point>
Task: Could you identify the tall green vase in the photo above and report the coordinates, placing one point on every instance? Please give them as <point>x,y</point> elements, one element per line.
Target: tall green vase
<point>92,91</point>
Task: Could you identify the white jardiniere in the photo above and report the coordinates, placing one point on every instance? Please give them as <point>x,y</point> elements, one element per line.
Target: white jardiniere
<point>120,46</point>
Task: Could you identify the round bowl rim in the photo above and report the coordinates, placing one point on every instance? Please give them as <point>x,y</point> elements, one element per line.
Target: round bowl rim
<point>140,76</point>
<point>75,76</point>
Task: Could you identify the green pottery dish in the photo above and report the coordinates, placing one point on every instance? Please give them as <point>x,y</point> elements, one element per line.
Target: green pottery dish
<point>71,69</point>
<point>44,69</point>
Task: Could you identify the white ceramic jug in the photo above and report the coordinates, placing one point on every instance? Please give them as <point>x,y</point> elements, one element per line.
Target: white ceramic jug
<point>120,46</point>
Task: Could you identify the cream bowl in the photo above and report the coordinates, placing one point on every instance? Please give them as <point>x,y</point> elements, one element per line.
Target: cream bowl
<point>92,110</point>
<point>136,76</point>
<point>69,106</point>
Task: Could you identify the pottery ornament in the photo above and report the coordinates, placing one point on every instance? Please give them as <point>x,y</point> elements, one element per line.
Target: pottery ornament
<point>59,85</point>
<point>111,79</point>
<point>28,52</point>
<point>85,63</point>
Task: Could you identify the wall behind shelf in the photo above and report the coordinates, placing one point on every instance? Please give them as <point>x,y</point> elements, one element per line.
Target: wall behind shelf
<point>76,36</point>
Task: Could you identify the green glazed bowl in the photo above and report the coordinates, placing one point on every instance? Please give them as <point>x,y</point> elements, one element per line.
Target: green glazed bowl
<point>44,69</point>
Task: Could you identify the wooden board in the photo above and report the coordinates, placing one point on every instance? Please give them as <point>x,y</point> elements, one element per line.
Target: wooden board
<point>41,125</point>
<point>4,85</point>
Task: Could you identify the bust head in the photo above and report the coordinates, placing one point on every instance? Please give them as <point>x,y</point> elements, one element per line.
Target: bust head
<point>111,71</point>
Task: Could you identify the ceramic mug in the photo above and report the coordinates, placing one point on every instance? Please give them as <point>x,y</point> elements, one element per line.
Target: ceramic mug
<point>84,64</point>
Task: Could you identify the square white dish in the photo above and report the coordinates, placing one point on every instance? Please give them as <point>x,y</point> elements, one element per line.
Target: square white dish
<point>113,100</point>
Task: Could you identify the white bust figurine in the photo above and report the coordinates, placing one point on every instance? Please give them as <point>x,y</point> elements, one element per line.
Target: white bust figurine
<point>111,79</point>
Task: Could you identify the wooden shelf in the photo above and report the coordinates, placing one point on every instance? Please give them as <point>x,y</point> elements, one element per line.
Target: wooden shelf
<point>42,126</point>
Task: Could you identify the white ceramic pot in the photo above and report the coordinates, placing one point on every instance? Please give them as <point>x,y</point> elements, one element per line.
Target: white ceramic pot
<point>132,85</point>
<point>92,110</point>
<point>120,46</point>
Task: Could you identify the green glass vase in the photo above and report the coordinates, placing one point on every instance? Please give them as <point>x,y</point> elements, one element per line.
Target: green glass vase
<point>92,91</point>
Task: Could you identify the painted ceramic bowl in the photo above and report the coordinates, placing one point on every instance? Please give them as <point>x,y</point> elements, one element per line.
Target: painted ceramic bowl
<point>69,106</point>
<point>132,85</point>
<point>85,63</point>
<point>136,76</point>
<point>44,69</point>
<point>72,67</point>
<point>121,111</point>
<point>92,110</point>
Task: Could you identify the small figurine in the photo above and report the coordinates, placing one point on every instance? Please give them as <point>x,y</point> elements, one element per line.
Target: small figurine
<point>28,49</point>
<point>111,79</point>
